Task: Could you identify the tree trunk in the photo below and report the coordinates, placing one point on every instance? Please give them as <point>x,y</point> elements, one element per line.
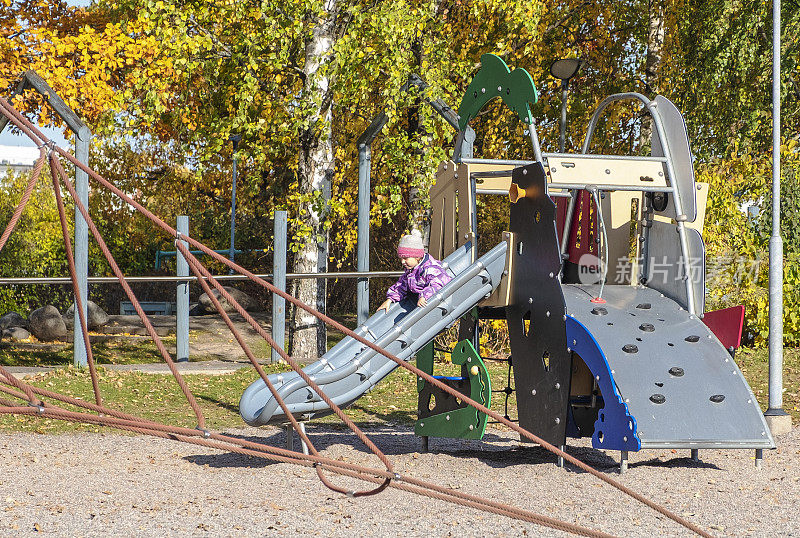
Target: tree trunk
<point>419,215</point>
<point>315,172</point>
<point>655,51</point>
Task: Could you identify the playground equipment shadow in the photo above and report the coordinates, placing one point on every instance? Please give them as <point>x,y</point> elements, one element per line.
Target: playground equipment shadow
<point>495,450</point>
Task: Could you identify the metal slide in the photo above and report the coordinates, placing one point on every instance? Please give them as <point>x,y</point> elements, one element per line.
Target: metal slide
<point>350,369</point>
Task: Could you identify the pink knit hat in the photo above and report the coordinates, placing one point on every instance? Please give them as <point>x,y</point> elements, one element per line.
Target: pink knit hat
<point>411,246</point>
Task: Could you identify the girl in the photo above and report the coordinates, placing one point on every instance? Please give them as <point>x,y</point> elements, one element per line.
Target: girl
<point>423,275</point>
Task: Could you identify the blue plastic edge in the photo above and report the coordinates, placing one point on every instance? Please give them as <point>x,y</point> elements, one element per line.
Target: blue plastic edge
<point>615,428</point>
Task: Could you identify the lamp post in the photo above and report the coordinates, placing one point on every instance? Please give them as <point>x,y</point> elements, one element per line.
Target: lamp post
<point>235,139</point>
<point>779,420</point>
<point>564,69</point>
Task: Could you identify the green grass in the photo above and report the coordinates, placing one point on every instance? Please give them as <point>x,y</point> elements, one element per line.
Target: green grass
<point>129,350</point>
<point>754,364</point>
<point>157,397</point>
<point>151,396</point>
<point>393,401</point>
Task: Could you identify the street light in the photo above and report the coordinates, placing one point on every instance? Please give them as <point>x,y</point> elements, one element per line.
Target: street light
<point>235,138</point>
<point>564,69</point>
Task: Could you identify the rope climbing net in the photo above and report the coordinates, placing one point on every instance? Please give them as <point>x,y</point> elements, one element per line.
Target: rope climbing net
<point>21,398</point>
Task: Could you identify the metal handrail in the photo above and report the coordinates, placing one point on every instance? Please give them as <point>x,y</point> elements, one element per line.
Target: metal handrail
<point>172,278</point>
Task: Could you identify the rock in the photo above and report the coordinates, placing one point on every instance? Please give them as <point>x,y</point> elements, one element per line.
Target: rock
<point>46,324</point>
<point>17,334</point>
<point>12,319</point>
<point>241,297</point>
<point>196,310</point>
<point>96,316</point>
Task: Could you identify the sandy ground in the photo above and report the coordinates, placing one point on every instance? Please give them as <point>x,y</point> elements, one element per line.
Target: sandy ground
<point>109,484</point>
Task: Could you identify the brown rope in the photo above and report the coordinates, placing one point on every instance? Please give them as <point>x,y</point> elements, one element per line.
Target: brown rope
<point>201,422</point>
<point>73,273</point>
<point>72,401</point>
<point>197,270</point>
<point>13,114</point>
<point>26,195</point>
<point>404,483</point>
<point>12,380</point>
<point>296,367</point>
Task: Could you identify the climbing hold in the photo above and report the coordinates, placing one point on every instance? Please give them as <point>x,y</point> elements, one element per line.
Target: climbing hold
<point>717,398</point>
<point>599,311</point>
<point>643,306</point>
<point>692,338</point>
<point>630,348</point>
<point>647,327</point>
<point>676,371</point>
<point>474,370</point>
<point>658,398</point>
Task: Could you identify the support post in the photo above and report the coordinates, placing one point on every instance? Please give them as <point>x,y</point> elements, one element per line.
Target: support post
<point>364,144</point>
<point>82,140</point>
<point>777,419</point>
<point>235,139</point>
<point>303,445</point>
<point>83,137</point>
<point>289,437</point>
<point>467,143</point>
<point>623,461</point>
<point>182,296</point>
<point>562,135</point>
<point>279,281</point>
<point>537,149</point>
<point>695,455</point>
<point>364,166</point>
<point>759,457</point>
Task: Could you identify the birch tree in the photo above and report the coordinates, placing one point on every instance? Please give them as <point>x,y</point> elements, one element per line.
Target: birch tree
<point>315,171</point>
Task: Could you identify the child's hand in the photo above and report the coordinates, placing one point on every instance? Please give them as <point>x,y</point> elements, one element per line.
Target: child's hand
<point>422,301</point>
<point>385,306</point>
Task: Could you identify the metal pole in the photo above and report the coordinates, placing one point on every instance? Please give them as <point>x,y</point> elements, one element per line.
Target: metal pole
<point>15,281</point>
<point>279,281</point>
<point>562,144</point>
<point>182,297</point>
<point>235,139</point>
<point>775,409</point>
<point>467,144</point>
<point>562,138</point>
<point>81,247</point>
<point>362,293</point>
<point>537,149</point>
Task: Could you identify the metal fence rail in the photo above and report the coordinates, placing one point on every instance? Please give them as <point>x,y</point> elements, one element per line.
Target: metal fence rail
<point>172,278</point>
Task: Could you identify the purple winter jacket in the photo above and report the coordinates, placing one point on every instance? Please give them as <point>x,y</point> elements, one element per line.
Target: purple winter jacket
<point>425,279</point>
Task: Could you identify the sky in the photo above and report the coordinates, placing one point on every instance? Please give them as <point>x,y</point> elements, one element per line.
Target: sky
<point>8,139</point>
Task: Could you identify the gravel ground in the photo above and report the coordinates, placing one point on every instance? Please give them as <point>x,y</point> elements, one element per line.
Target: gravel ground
<point>110,484</point>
